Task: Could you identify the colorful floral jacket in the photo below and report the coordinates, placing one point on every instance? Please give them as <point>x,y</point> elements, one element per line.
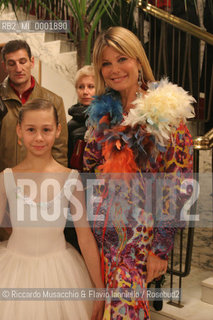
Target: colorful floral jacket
<point>151,139</point>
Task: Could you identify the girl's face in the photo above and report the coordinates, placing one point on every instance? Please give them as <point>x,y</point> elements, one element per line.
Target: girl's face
<point>38,131</point>
<point>119,71</point>
<point>85,90</point>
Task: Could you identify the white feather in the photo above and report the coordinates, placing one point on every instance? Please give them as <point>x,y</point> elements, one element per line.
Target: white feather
<point>161,110</point>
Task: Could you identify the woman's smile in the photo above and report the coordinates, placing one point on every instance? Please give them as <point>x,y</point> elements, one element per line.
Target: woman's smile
<point>119,78</point>
<point>120,72</point>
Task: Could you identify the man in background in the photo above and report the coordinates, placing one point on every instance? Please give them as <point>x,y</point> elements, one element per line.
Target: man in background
<point>18,88</point>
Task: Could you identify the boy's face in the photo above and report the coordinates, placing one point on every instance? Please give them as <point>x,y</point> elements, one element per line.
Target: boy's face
<point>18,66</point>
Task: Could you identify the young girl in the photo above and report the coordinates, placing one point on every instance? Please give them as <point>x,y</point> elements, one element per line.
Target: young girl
<point>38,191</point>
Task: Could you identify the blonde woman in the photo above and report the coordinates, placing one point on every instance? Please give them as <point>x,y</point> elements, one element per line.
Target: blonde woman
<point>85,88</point>
<point>138,128</point>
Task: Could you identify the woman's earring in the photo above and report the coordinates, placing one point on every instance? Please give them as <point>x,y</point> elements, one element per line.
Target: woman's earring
<point>19,142</point>
<point>139,93</point>
<point>139,78</point>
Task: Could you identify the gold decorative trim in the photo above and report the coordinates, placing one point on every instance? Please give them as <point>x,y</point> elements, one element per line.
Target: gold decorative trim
<point>177,22</point>
<point>204,142</point>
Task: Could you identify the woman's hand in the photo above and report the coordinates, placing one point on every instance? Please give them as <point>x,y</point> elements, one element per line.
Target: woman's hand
<point>156,267</point>
<point>98,310</point>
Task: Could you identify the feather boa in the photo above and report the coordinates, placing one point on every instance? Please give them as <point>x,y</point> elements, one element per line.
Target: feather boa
<point>161,110</point>
<point>103,105</point>
<point>116,160</point>
<point>145,131</point>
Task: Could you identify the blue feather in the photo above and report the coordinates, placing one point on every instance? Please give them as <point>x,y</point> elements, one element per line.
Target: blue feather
<point>103,105</point>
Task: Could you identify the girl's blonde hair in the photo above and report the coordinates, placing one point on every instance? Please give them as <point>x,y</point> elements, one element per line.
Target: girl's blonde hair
<point>125,42</point>
<point>85,71</point>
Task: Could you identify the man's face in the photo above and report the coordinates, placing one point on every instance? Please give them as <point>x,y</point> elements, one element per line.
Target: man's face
<point>18,66</point>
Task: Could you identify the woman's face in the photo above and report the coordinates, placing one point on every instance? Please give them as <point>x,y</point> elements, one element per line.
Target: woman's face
<point>119,71</point>
<point>85,89</point>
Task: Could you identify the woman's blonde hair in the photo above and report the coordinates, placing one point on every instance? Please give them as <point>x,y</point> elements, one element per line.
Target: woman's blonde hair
<point>85,71</point>
<point>125,42</point>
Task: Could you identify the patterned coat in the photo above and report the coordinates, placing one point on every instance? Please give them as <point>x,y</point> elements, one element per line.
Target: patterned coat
<point>131,228</point>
